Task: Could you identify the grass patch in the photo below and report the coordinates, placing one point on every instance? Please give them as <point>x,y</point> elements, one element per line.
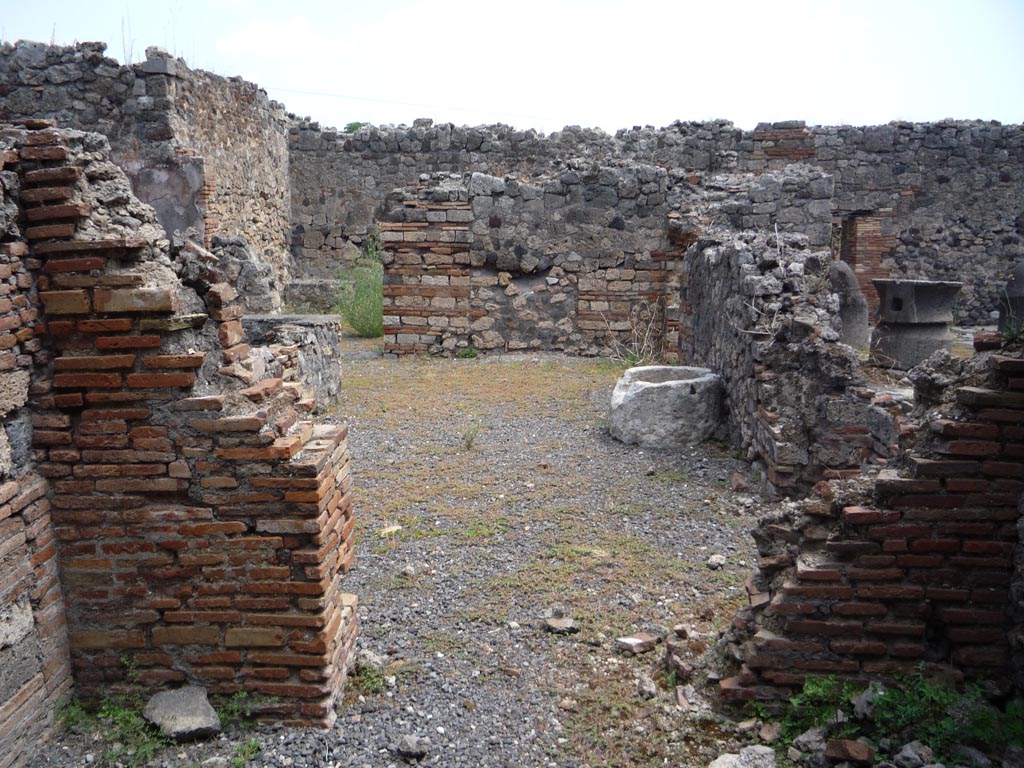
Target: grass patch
<point>245,752</point>
<point>486,529</point>
<point>361,293</point>
<point>670,476</point>
<point>130,740</point>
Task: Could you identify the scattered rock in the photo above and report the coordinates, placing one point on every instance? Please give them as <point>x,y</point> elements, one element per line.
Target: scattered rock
<point>641,642</point>
<point>973,758</point>
<point>770,732</point>
<point>561,626</point>
<point>914,755</point>
<point>749,757</point>
<point>184,714</point>
<point>864,702</point>
<point>413,747</point>
<point>556,611</point>
<point>658,631</point>
<point>682,699</point>
<point>681,631</point>
<point>738,483</point>
<point>849,750</point>
<point>646,688</point>
<point>716,561</point>
<point>811,740</point>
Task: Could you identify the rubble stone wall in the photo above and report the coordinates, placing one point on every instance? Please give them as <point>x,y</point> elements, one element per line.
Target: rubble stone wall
<point>241,136</point>
<point>563,262</point>
<point>35,667</point>
<point>201,518</point>
<point>208,152</point>
<point>761,312</point>
<point>947,194</point>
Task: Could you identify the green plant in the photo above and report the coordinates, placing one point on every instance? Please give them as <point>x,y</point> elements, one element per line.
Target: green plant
<point>353,126</point>
<point>1011,327</point>
<point>467,353</point>
<point>924,707</point>
<point>818,705</point>
<point>75,716</point>
<point>362,305</point>
<point>133,740</point>
<point>237,709</point>
<point>469,437</point>
<point>246,751</point>
<point>485,529</point>
<point>988,725</point>
<point>367,678</point>
<point>913,706</point>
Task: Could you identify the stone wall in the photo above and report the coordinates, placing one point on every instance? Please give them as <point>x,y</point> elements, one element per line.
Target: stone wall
<point>241,137</point>
<point>215,154</point>
<point>202,519</point>
<point>35,668</point>
<point>562,262</point>
<point>948,194</point>
<point>208,152</point>
<point>761,312</point>
<point>915,569</point>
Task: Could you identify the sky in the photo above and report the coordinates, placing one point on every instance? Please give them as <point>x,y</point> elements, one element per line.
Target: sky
<point>610,64</point>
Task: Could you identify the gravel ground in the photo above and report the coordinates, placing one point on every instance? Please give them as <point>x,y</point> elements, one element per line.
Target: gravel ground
<point>490,498</point>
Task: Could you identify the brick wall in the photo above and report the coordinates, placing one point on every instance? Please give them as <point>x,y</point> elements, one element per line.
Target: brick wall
<point>554,264</point>
<point>867,242</point>
<point>35,670</point>
<point>920,573</point>
<point>202,519</point>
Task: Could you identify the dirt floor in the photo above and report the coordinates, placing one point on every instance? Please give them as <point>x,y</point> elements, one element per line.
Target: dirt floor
<point>491,498</point>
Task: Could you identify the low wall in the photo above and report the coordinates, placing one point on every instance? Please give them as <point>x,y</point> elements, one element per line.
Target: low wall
<point>921,571</point>
<point>561,264</point>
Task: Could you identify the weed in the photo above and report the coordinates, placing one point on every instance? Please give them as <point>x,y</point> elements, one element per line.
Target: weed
<point>485,529</point>
<point>237,710</point>
<point>133,741</point>
<point>467,353</point>
<point>367,679</point>
<point>639,339</point>
<point>670,476</point>
<point>469,437</point>
<point>362,305</point>
<point>913,706</point>
<point>245,752</point>
<point>75,716</point>
<point>817,705</point>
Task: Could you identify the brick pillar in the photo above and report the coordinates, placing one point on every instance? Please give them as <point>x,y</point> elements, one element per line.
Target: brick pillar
<point>202,537</point>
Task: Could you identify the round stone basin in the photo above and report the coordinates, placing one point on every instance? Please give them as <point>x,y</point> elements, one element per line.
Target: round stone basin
<point>665,406</point>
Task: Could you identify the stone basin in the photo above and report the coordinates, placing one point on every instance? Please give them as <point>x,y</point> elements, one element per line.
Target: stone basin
<point>665,406</point>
